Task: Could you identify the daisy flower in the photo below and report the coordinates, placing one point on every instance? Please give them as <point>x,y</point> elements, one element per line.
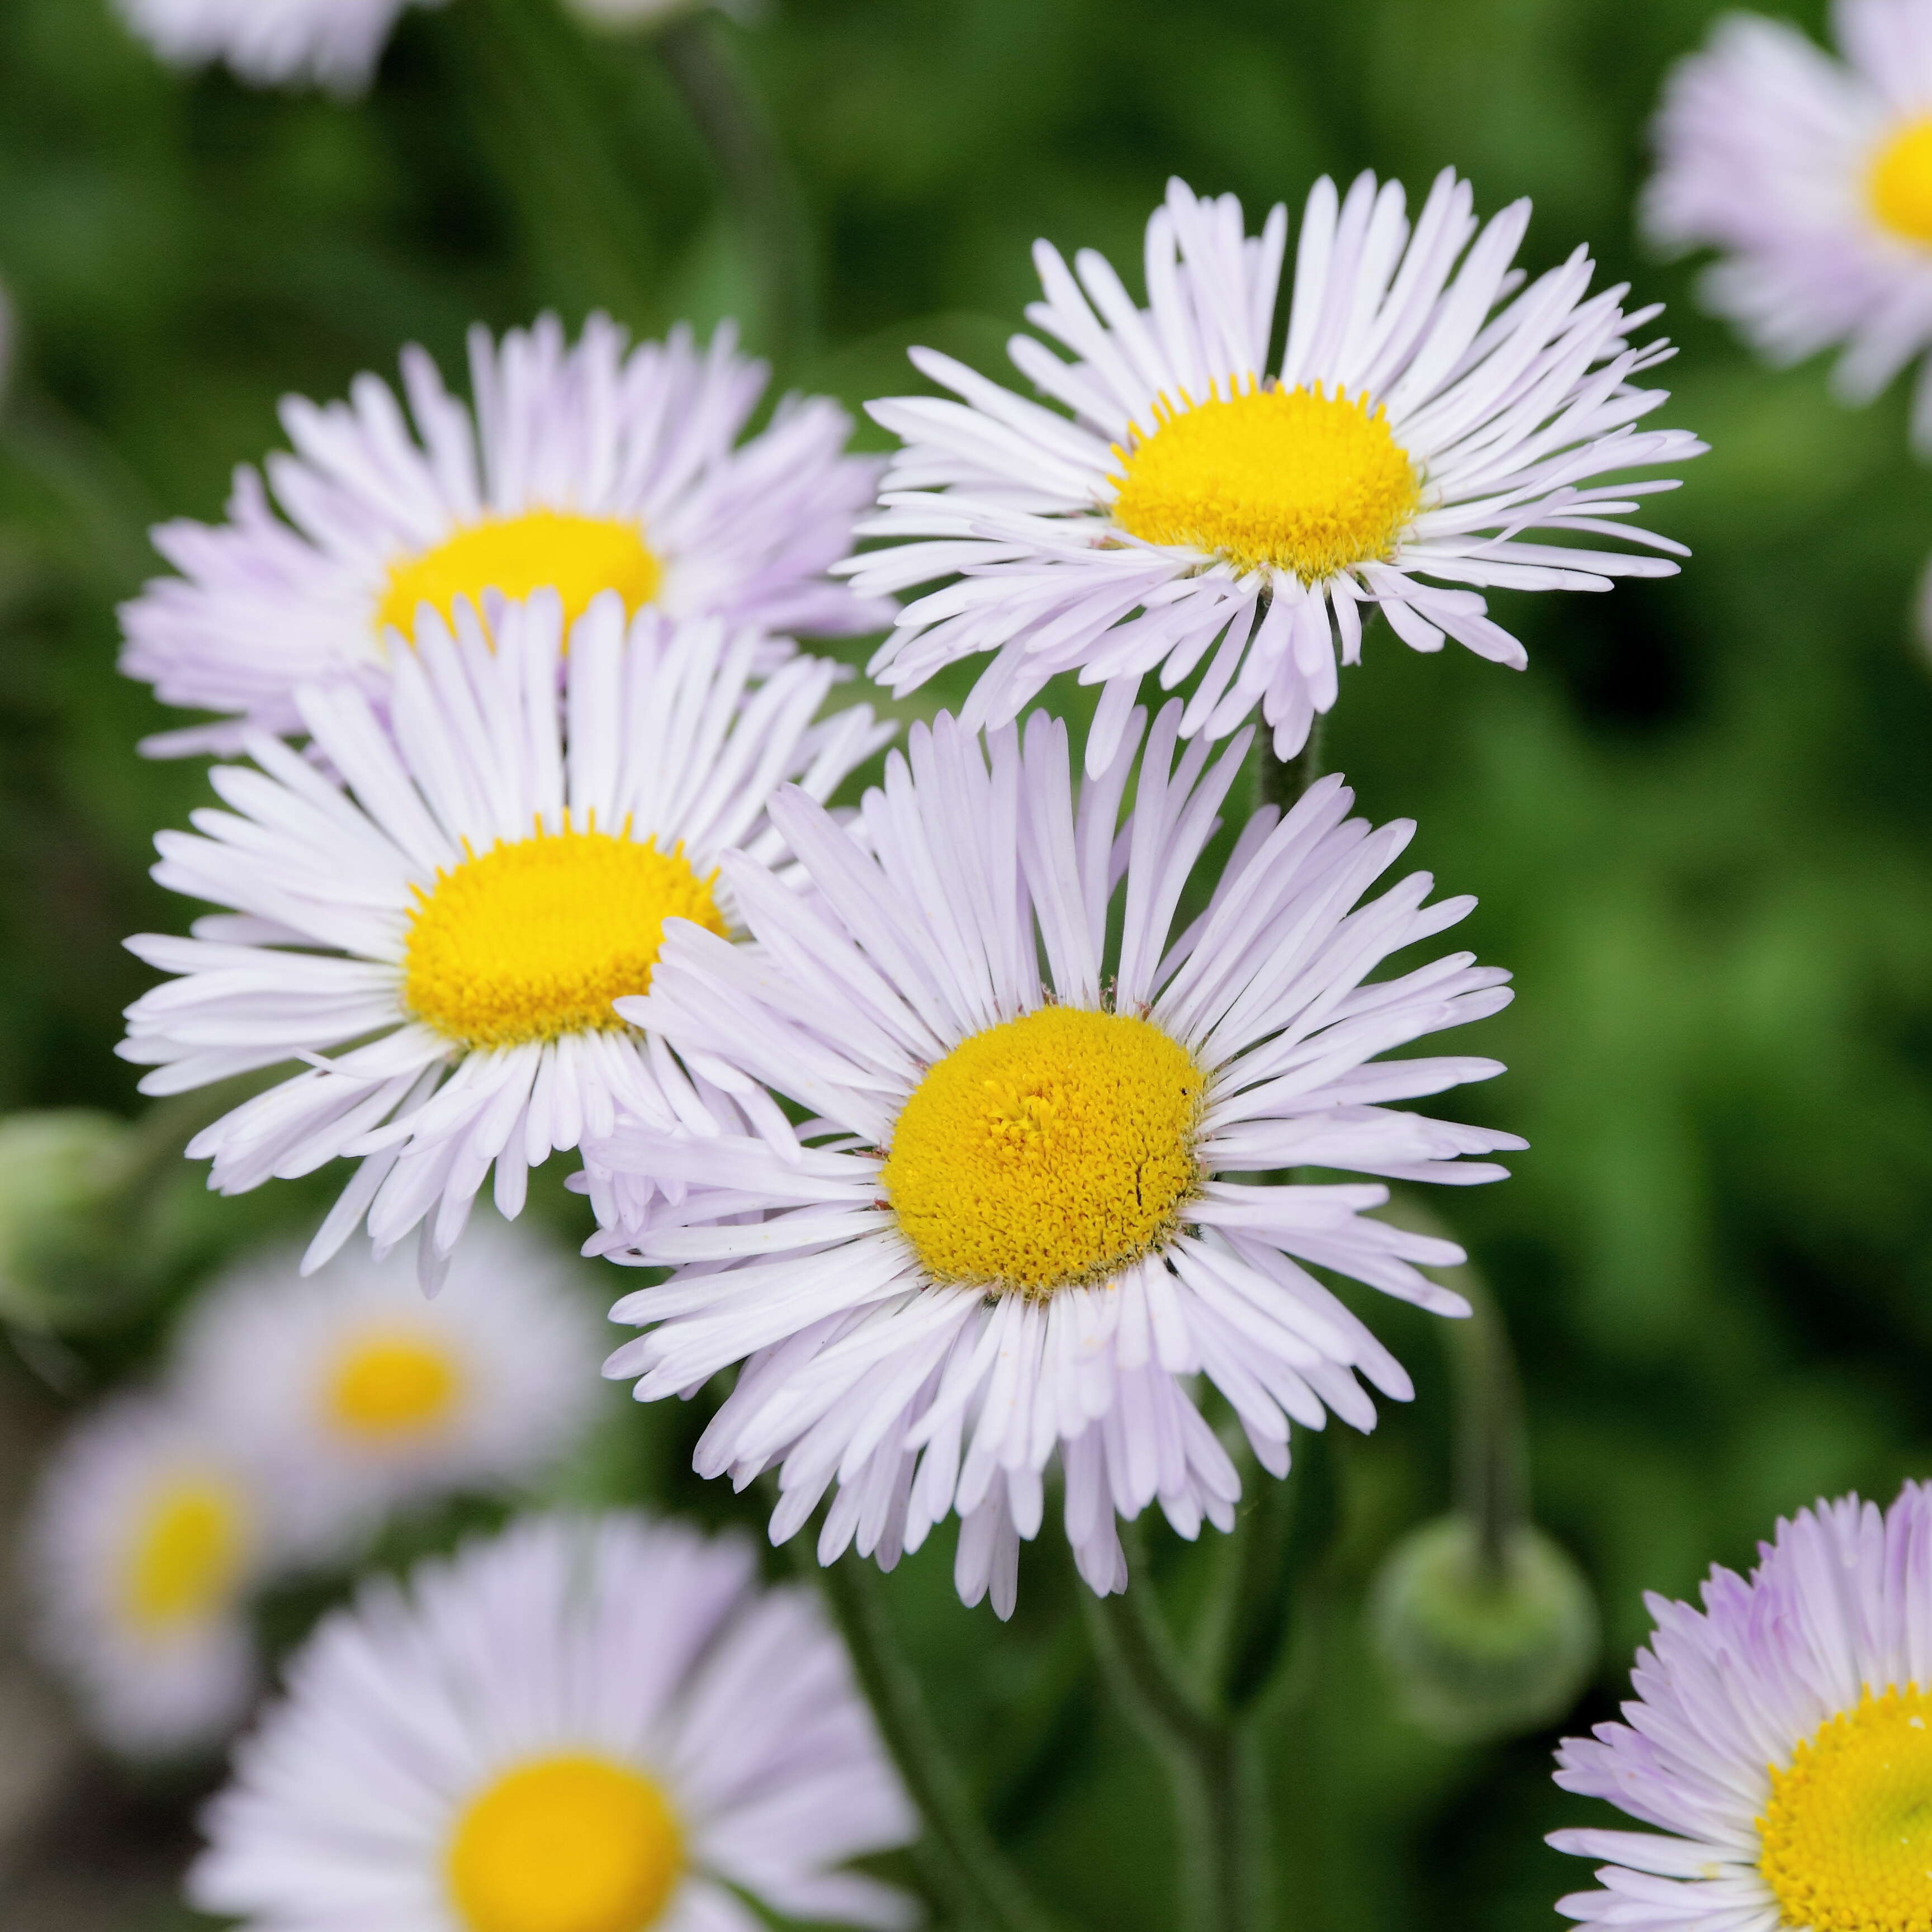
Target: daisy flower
<point>146,1535</point>
<point>1187,503</point>
<point>329,43</point>
<point>439,937</point>
<point>586,1725</point>
<point>1779,1743</point>
<point>580,469</point>
<point>1813,178</point>
<point>1024,1216</point>
<point>359,1394</point>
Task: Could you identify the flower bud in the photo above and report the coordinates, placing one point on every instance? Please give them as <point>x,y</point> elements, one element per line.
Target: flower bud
<point>62,1246</point>
<point>1477,1650</point>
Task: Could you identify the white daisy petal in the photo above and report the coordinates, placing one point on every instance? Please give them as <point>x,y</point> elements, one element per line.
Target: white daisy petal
<point>147,1534</point>
<point>1812,178</point>
<point>1426,418</point>
<point>587,467</point>
<point>1003,1241</point>
<point>604,1716</point>
<point>329,43</point>
<point>353,1394</point>
<point>487,877</point>
<point>1779,1742</point>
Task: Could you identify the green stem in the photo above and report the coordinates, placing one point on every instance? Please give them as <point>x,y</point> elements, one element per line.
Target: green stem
<point>109,510</point>
<point>1492,1463</point>
<point>1281,783</point>
<point>1212,1763</point>
<point>1278,1547</point>
<point>763,187</point>
<point>537,109</point>
<point>964,1863</point>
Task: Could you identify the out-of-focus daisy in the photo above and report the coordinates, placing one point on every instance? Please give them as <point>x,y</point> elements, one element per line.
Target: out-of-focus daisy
<point>600,1725</point>
<point>358,1394</point>
<point>441,939</point>
<point>1189,504</point>
<point>1813,178</point>
<point>1779,1743</point>
<point>146,1535</point>
<point>1016,1226</point>
<point>330,43</point>
<point>581,469</point>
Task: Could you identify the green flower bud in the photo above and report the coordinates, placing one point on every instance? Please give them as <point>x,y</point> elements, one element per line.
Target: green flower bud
<point>63,1250</point>
<point>1476,1652</point>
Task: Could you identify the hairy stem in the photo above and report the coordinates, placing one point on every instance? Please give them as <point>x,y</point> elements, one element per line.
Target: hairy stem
<point>964,1865</point>
<point>1281,783</point>
<point>1278,1549</point>
<point>1212,1763</point>
<point>1492,1478</point>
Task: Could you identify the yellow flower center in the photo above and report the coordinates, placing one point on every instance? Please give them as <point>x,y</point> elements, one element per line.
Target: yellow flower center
<point>565,1844</point>
<point>1847,1836</point>
<point>1899,187</point>
<point>392,1385</point>
<point>186,1557</point>
<point>535,937</point>
<point>555,550</point>
<point>1052,1149</point>
<point>1289,478</point>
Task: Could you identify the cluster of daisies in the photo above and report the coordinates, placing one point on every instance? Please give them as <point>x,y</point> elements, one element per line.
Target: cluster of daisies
<point>970,1122</point>
<point>944,1117</point>
<point>290,1420</point>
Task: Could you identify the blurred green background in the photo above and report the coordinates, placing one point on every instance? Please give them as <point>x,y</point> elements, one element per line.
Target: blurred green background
<point>1700,825</point>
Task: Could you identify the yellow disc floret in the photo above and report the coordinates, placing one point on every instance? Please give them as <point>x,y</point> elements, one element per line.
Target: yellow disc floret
<point>186,1556</point>
<point>1049,1149</point>
<point>392,1385</point>
<point>573,1843</point>
<point>1899,185</point>
<point>535,937</point>
<point>1290,479</point>
<point>577,556</point>
<point>1847,1836</point>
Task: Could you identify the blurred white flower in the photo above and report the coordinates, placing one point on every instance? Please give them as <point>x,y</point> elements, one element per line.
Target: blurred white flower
<point>1779,1744</point>
<point>436,943</point>
<point>1190,504</point>
<point>329,43</point>
<point>1812,178</point>
<point>353,1392</point>
<point>586,1725</point>
<point>598,467</point>
<point>145,1537</point>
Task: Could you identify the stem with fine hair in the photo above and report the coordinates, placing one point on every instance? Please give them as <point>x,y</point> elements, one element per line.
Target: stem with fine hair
<point>1491,1479</point>
<point>1212,1763</point>
<point>757,177</point>
<point>962,1861</point>
<point>1280,782</point>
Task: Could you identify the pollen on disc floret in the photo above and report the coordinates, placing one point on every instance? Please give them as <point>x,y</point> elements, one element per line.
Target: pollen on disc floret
<point>1049,1149</point>
<point>1779,1746</point>
<point>534,938</point>
<point>1847,1836</point>
<point>1293,479</point>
